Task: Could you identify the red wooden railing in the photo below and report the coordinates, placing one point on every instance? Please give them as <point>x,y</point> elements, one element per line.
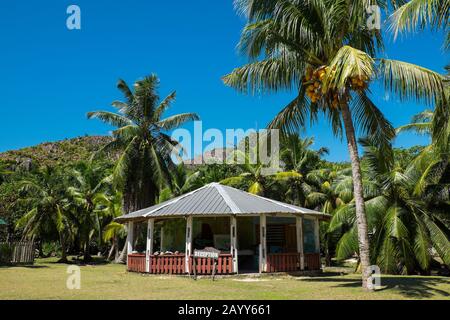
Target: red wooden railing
<point>283,262</point>
<point>312,261</point>
<point>169,264</point>
<point>286,262</point>
<point>136,262</point>
<point>175,264</point>
<point>205,266</point>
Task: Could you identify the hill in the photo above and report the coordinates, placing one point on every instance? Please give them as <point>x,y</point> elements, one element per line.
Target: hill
<point>54,153</point>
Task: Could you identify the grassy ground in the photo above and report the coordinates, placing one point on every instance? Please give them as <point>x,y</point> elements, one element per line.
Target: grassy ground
<point>47,280</point>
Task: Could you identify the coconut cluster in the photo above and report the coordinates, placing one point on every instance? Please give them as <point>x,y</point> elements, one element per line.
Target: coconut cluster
<point>315,90</point>
<point>313,81</point>
<point>359,82</point>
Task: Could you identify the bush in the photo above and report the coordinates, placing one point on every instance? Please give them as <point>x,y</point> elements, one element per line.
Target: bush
<point>51,249</point>
<point>5,253</point>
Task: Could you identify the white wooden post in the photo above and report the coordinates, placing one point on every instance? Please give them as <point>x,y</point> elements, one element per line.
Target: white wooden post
<point>149,247</point>
<point>130,238</point>
<point>188,250</point>
<point>233,247</point>
<point>299,227</point>
<point>263,243</point>
<point>316,235</point>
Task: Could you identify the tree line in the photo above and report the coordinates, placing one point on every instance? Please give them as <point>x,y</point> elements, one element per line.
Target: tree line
<point>389,206</point>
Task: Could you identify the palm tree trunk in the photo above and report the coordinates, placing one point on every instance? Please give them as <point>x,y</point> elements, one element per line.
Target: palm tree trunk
<point>63,248</point>
<point>123,254</point>
<point>361,220</point>
<point>86,256</point>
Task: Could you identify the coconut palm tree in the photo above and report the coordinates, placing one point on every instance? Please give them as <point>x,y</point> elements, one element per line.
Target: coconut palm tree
<point>252,176</point>
<point>416,14</point>
<point>403,230</point>
<point>298,160</point>
<point>145,164</point>
<point>87,182</point>
<point>44,193</point>
<point>420,123</point>
<point>325,51</point>
<point>109,206</point>
<point>182,182</point>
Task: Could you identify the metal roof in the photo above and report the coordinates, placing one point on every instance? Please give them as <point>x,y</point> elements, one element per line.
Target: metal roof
<point>217,199</point>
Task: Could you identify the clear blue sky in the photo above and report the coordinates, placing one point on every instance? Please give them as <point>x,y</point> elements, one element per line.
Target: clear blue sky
<point>51,77</point>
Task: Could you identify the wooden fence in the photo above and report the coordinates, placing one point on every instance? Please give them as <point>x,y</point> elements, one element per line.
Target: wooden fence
<point>17,252</point>
<point>286,262</point>
<point>175,264</point>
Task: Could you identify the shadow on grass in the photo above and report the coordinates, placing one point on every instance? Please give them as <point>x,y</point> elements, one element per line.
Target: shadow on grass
<point>408,286</point>
<point>28,266</point>
<point>80,262</point>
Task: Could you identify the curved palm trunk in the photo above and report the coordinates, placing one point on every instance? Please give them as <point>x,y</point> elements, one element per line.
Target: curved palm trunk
<point>361,220</point>
<point>122,258</point>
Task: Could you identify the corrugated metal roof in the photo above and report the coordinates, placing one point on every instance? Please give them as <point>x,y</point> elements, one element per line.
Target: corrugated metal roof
<point>217,199</point>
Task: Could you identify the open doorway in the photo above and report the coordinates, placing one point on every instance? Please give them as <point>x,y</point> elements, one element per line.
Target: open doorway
<point>248,244</point>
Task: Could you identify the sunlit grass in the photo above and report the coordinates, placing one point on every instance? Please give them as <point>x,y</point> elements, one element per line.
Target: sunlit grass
<point>47,280</point>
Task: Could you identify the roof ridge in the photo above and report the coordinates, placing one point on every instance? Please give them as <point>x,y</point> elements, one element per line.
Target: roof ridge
<point>295,208</point>
<point>175,200</point>
<point>226,197</point>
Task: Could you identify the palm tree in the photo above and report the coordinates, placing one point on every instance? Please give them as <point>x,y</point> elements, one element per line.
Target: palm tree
<point>44,193</point>
<point>403,230</point>
<point>324,51</point>
<point>298,161</point>
<point>421,123</point>
<point>182,182</point>
<point>420,13</point>
<point>145,164</point>
<point>109,206</point>
<point>88,181</point>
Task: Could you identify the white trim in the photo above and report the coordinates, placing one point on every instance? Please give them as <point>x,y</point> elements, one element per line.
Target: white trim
<point>231,204</point>
<point>233,247</point>
<point>188,251</point>
<point>149,246</point>
<point>317,235</point>
<point>130,238</point>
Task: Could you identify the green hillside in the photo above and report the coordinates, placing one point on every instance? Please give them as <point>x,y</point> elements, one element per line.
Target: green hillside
<point>54,153</point>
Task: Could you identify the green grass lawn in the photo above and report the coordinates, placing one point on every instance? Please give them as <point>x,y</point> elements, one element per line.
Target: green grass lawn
<point>47,280</point>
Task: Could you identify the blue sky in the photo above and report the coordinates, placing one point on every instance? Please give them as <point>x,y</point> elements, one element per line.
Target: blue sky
<point>51,76</point>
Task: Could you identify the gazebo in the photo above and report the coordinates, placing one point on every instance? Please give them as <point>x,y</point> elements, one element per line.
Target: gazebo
<point>253,234</point>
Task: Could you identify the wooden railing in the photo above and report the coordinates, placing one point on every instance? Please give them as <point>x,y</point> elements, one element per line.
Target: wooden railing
<point>205,266</point>
<point>288,262</point>
<point>175,264</point>
<point>283,262</point>
<point>136,262</point>
<point>312,261</point>
<point>169,264</point>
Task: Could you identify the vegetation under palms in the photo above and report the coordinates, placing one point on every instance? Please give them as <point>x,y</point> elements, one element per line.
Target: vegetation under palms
<point>324,51</point>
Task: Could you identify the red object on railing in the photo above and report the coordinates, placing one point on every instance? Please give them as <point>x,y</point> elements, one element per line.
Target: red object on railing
<point>136,262</point>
